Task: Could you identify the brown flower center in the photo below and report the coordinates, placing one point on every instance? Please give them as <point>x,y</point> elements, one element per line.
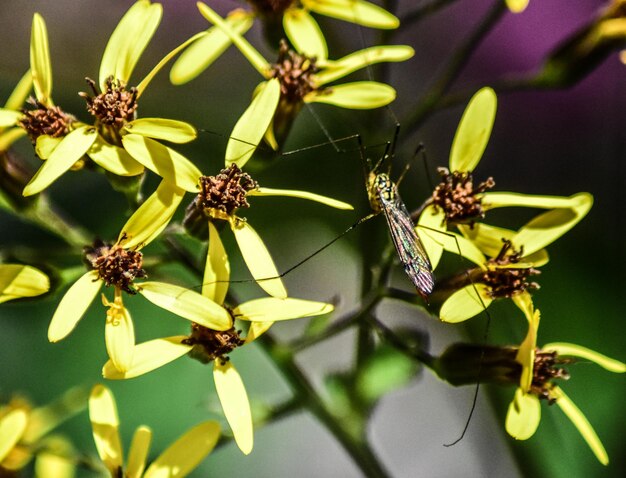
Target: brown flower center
<point>113,107</point>
<point>40,120</point>
<point>225,192</point>
<point>458,197</point>
<point>115,265</point>
<point>545,370</point>
<point>209,344</point>
<point>508,281</point>
<point>295,73</point>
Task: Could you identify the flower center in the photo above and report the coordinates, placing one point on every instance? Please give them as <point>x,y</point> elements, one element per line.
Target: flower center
<point>295,73</point>
<point>209,344</point>
<point>458,197</point>
<point>224,193</point>
<point>113,107</point>
<point>271,7</point>
<point>115,265</point>
<point>507,281</point>
<point>40,120</point>
<point>545,370</point>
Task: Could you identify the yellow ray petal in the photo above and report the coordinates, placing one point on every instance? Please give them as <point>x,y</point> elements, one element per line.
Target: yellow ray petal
<point>527,351</point>
<point>67,152</point>
<point>302,195</point>
<point>358,95</point>
<point>487,238</point>
<point>9,117</point>
<point>45,145</point>
<point>354,11</point>
<point>149,356</point>
<point>112,158</point>
<point>119,335</point>
<point>20,92</point>
<point>472,134</point>
<point>304,33</point>
<point>105,424</point>
<point>234,400</point>
<point>7,138</point>
<point>451,242</point>
<point>17,280</point>
<point>272,309</point>
<point>187,303</point>
<point>203,52</point>
<point>161,128</point>
<point>186,453</point>
<point>216,269</point>
<point>258,259</point>
<point>492,200</point>
<point>164,161</point>
<point>54,460</point>
<point>432,219</point>
<point>573,350</point>
<point>517,6</point>
<point>12,425</point>
<point>253,123</point>
<point>523,416</point>
<point>257,329</point>
<point>73,306</point>
<point>152,216</point>
<point>139,448</point>
<point>40,60</point>
<point>465,303</point>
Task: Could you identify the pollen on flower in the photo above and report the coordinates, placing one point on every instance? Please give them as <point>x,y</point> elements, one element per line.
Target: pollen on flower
<point>113,107</point>
<point>506,281</point>
<point>545,370</point>
<point>115,265</point>
<point>209,344</point>
<point>295,73</point>
<point>40,120</point>
<point>458,197</point>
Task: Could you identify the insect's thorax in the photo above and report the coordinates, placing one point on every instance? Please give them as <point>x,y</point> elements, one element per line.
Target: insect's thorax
<point>380,187</point>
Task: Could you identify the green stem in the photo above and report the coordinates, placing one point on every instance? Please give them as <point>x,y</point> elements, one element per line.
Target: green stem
<point>43,214</point>
<point>356,446</point>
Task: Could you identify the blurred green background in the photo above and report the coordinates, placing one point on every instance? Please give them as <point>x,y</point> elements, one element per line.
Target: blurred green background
<point>543,142</point>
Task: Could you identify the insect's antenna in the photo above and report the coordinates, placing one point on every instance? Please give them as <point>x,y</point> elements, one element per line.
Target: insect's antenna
<point>322,127</point>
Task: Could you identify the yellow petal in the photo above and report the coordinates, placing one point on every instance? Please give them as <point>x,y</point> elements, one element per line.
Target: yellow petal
<point>12,425</point>
<point>432,219</point>
<point>186,453</point>
<point>54,460</point>
<point>573,350</point>
<point>149,356</point>
<point>165,162</point>
<point>105,424</point>
<point>253,123</point>
<point>129,40</point>
<point>524,302</point>
<point>354,11</point>
<point>526,352</point>
<point>258,259</point>
<point>450,242</point>
<point>549,226</point>
<point>257,329</point>
<point>17,280</point>
<point>203,52</point>
<point>20,92</point>
<point>67,152</point>
<point>45,145</point>
<point>487,238</point>
<point>355,61</point>
<point>492,200</point>
<point>151,217</point>
<point>523,416</point>
<point>517,6</point>
<point>234,400</point>
<point>359,95</point>
<point>217,268</point>
<point>7,138</point>
<point>119,335</point>
<point>112,158</point>
<point>304,33</point>
<point>187,304</point>
<point>581,423</point>
<point>139,448</point>
<point>302,195</point>
<point>253,56</point>
<point>273,309</point>
<point>161,128</point>
<point>465,303</point>
<point>472,134</point>
<point>40,60</point>
<point>9,117</point>
<point>73,305</point>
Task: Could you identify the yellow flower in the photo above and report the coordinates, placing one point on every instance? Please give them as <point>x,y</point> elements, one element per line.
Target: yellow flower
<point>10,114</point>
<point>209,345</point>
<point>512,262</point>
<point>17,280</point>
<point>25,434</point>
<point>296,79</point>
<point>540,366</point>
<point>117,141</point>
<point>220,198</point>
<point>517,6</point>
<point>118,265</point>
<point>179,459</point>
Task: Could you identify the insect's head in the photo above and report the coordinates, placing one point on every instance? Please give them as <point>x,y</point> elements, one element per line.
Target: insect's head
<point>379,186</point>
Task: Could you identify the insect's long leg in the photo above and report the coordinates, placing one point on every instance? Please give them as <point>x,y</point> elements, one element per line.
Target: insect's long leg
<point>407,166</point>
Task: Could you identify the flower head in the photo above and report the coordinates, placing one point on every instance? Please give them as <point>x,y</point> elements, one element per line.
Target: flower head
<point>208,345</point>
<point>179,459</point>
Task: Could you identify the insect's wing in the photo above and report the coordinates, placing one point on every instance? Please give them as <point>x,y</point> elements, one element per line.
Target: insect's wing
<point>408,245</point>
